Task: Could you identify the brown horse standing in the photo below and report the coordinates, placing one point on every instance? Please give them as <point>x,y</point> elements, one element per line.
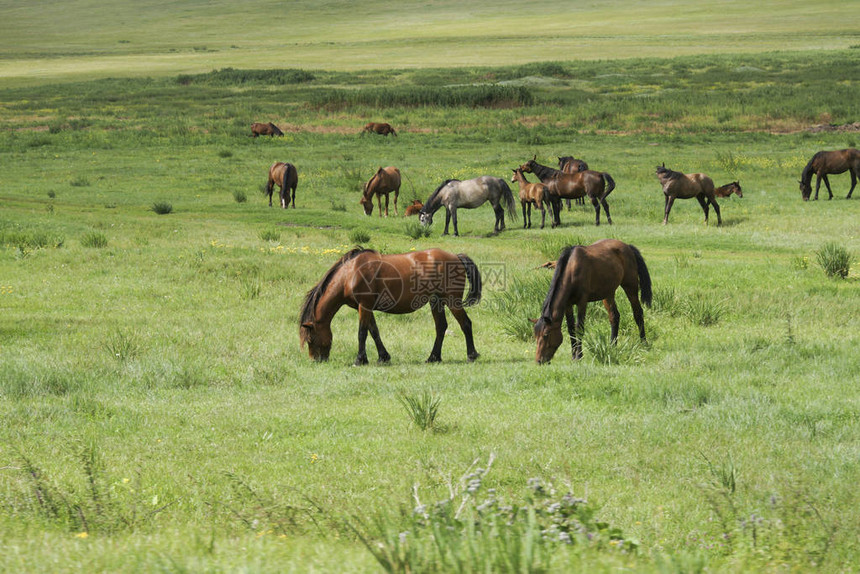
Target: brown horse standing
<point>287,178</point>
<point>829,162</point>
<point>728,189</point>
<point>585,274</point>
<point>382,129</point>
<point>268,129</point>
<point>413,209</point>
<point>677,185</point>
<point>383,182</point>
<point>536,194</point>
<point>368,281</point>
<point>569,164</point>
<point>596,185</point>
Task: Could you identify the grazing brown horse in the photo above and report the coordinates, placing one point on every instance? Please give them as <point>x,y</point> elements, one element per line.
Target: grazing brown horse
<point>585,274</point>
<point>829,162</point>
<point>536,194</point>
<point>383,182</point>
<point>569,164</point>
<point>368,281</point>
<point>728,189</point>
<point>269,129</point>
<point>596,185</point>
<point>413,209</point>
<point>382,129</point>
<point>677,185</point>
<point>287,178</point>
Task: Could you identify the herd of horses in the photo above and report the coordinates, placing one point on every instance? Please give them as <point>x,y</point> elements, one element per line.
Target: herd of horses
<point>369,281</point>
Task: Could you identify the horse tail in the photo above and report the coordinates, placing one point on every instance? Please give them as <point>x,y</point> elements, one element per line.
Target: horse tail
<point>644,277</point>
<point>508,198</point>
<point>475,282</point>
<point>609,182</point>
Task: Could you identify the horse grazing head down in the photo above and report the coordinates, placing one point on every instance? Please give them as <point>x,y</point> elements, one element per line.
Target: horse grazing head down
<point>548,337</point>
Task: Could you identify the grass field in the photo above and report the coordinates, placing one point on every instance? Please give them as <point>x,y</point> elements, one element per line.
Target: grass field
<point>158,413</point>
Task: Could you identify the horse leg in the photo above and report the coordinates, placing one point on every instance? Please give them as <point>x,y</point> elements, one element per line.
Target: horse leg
<point>500,218</point>
<point>384,357</point>
<point>853,183</point>
<point>438,310</point>
<point>269,189</point>
<point>396,195</point>
<point>466,325</point>
<point>606,209</point>
<point>542,216</point>
<point>668,207</point>
<point>556,211</point>
<point>817,185</point>
<point>523,203</point>
<point>614,318</point>
<point>386,205</point>
<point>579,329</point>
<point>454,219</point>
<point>827,183</point>
<point>447,220</point>
<point>365,317</point>
<point>704,203</point>
<point>633,297</point>
<point>567,201</point>
<point>596,203</point>
<point>713,202</point>
<point>571,330</point>
<point>294,198</point>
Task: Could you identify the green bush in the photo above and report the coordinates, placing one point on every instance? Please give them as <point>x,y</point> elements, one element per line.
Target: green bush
<point>834,259</point>
<point>94,239</point>
<point>161,207</point>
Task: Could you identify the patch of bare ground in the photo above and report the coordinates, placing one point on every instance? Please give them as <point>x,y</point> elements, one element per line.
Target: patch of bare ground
<point>855,127</point>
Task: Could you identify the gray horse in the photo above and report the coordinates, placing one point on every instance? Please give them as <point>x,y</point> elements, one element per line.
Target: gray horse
<point>469,194</point>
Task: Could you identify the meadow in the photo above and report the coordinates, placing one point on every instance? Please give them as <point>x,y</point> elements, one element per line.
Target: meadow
<point>159,414</point>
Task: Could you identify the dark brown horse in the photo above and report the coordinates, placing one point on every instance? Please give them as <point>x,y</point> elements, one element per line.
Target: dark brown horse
<point>382,129</point>
<point>585,274</point>
<point>413,209</point>
<point>383,182</point>
<point>596,185</point>
<point>728,189</point>
<point>536,194</point>
<point>287,178</point>
<point>829,162</point>
<point>368,281</point>
<point>677,185</point>
<point>569,164</point>
<point>269,129</point>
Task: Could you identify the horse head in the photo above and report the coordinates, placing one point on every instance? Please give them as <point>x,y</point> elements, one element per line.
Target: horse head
<point>738,191</point>
<point>425,218</point>
<point>318,339</point>
<point>805,190</point>
<point>367,204</point>
<point>548,337</point>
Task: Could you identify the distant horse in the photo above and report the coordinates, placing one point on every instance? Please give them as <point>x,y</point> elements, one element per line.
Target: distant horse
<point>536,194</point>
<point>383,182</point>
<point>287,178</point>
<point>269,129</point>
<point>585,274</point>
<point>368,281</point>
<point>728,189</point>
<point>677,185</point>
<point>569,164</point>
<point>468,194</point>
<point>596,185</point>
<point>829,162</point>
<point>382,129</point>
<point>413,209</point>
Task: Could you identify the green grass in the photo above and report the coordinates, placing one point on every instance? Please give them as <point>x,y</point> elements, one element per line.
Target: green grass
<point>159,414</point>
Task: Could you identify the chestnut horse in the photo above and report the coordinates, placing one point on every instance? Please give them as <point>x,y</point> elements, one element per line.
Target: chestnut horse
<point>413,209</point>
<point>287,178</point>
<point>536,194</point>
<point>383,182</point>
<point>382,129</point>
<point>677,185</point>
<point>585,274</point>
<point>569,164</point>
<point>368,281</point>
<point>829,162</point>
<point>269,129</point>
<point>728,189</point>
<point>596,185</point>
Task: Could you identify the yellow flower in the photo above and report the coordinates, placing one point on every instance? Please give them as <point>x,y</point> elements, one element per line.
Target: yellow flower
<point>82,535</point>
<point>314,458</point>
<point>126,480</point>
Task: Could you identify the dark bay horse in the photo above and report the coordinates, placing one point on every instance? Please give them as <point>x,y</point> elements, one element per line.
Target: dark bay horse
<point>829,162</point>
<point>569,164</point>
<point>383,182</point>
<point>382,129</point>
<point>287,178</point>
<point>536,194</point>
<point>269,129</point>
<point>585,274</point>
<point>728,189</point>
<point>368,281</point>
<point>677,185</point>
<point>596,185</point>
<point>468,194</point>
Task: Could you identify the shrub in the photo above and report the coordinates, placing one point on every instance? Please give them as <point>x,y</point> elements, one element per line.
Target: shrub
<point>359,236</point>
<point>601,350</point>
<point>80,181</point>
<point>161,207</point>
<point>415,230</point>
<point>225,153</point>
<point>704,311</point>
<point>122,346</point>
<point>834,259</point>
<point>270,235</point>
<point>239,196</point>
<point>422,409</point>
<point>94,239</point>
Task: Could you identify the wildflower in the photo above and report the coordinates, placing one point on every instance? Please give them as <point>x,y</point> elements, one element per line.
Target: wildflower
<point>84,534</point>
<point>126,480</point>
<point>314,458</point>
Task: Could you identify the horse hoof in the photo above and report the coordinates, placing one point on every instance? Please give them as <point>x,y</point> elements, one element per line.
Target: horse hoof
<point>359,361</point>
<point>434,359</point>
<point>384,360</point>
<point>473,357</point>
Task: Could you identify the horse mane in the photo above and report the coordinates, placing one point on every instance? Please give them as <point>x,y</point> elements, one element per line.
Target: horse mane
<point>668,173</point>
<point>806,174</point>
<point>544,170</point>
<point>313,296</point>
<point>433,202</point>
<point>555,284</point>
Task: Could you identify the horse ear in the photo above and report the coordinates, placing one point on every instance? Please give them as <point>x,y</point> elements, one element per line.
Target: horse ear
<point>534,158</point>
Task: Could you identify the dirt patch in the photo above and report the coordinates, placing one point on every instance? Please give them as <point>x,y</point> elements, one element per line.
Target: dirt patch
<point>288,224</point>
<point>855,127</point>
